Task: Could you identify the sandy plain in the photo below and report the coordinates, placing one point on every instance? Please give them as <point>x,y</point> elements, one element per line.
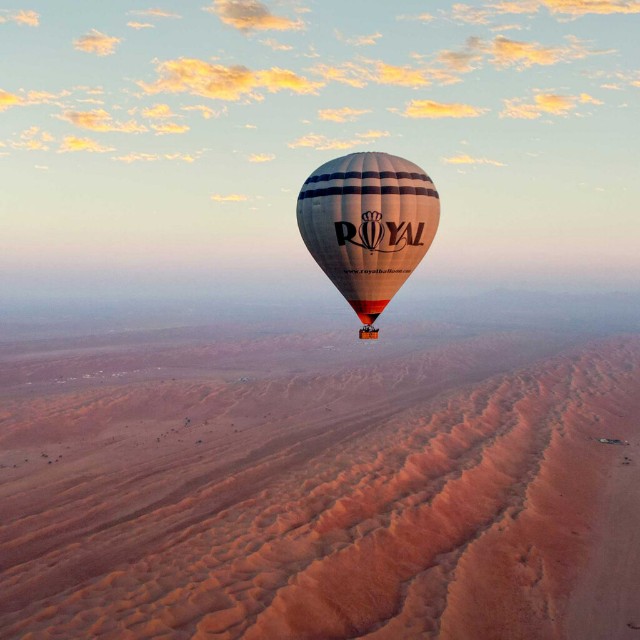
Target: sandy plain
<point>446,485</point>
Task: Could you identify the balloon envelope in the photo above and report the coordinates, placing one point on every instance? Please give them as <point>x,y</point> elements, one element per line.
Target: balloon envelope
<point>368,219</point>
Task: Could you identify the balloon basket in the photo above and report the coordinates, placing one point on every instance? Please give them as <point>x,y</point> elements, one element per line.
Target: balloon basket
<point>368,333</point>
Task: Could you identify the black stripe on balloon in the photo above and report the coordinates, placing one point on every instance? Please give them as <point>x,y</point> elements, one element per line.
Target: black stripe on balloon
<point>399,175</point>
<point>385,190</point>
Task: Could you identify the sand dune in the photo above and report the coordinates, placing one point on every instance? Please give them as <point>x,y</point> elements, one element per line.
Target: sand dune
<point>283,490</point>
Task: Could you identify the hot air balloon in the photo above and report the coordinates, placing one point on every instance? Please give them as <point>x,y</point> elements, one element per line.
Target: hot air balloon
<point>368,219</point>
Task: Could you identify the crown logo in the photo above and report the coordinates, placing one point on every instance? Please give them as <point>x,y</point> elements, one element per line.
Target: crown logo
<point>371,230</point>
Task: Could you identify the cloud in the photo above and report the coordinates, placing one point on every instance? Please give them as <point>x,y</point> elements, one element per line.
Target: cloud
<point>400,76</point>
<point>506,52</point>
<point>544,103</point>
<point>71,143</point>
<point>232,197</point>
<point>275,45</point>
<point>154,13</point>
<point>26,17</point>
<point>184,157</point>
<point>141,25</point>
<point>345,114</point>
<point>251,15</point>
<point>459,61</point>
<point>422,17</point>
<point>432,109</point>
<point>169,127</point>
<point>33,139</point>
<point>197,77</point>
<point>261,157</point>
<point>586,98</point>
<point>205,111</point>
<point>507,27</point>
<point>158,111</point>
<point>348,73</point>
<point>464,158</point>
<point>373,134</point>
<point>584,7</point>
<point>137,157</point>
<point>153,157</point>
<point>100,120</point>
<point>359,74</point>
<point>359,41</point>
<point>323,143</point>
<point>470,15</point>
<point>29,98</point>
<point>98,43</point>
<point>9,100</point>
<point>517,6</point>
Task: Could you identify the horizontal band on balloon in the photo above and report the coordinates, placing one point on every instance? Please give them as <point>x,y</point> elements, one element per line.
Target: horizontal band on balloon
<point>368,190</point>
<point>361,175</point>
<point>368,310</point>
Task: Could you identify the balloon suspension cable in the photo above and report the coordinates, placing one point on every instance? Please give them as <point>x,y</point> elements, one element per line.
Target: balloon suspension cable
<point>368,332</point>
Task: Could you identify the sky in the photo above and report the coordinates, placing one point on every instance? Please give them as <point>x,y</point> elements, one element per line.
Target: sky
<point>158,148</point>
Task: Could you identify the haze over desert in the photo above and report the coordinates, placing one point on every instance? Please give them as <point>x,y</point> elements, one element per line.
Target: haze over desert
<point>447,482</point>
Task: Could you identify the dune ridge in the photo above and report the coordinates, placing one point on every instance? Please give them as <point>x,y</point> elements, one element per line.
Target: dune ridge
<point>432,495</point>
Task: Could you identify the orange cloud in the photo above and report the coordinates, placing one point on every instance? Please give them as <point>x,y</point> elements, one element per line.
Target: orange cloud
<point>359,41</point>
<point>169,127</point>
<point>432,109</point>
<point>553,103</point>
<point>33,139</point>
<point>140,25</point>
<point>470,15</point>
<point>153,157</point>
<point>26,17</point>
<point>98,43</point>
<point>373,134</point>
<point>190,75</point>
<point>458,61</point>
<point>544,103</point>
<point>251,15</point>
<point>517,6</point>
<point>185,157</point>
<point>586,98</point>
<point>276,46</point>
<point>348,73</point>
<point>9,100</point>
<point>467,159</point>
<point>345,114</point>
<point>233,197</point>
<point>71,143</point>
<point>323,143</point>
<point>158,111</point>
<point>583,7</point>
<point>100,120</point>
<point>261,157</point>
<point>422,17</point>
<point>508,52</point>
<point>366,71</point>
<point>154,13</point>
<point>137,157</point>
<point>206,112</point>
<point>400,76</point>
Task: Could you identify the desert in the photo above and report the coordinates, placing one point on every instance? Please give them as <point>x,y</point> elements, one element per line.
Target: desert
<point>447,483</point>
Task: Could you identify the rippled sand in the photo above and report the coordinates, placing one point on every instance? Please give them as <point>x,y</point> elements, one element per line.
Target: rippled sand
<point>297,488</point>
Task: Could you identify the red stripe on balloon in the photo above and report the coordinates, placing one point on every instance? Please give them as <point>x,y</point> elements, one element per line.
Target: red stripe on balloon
<point>368,310</point>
